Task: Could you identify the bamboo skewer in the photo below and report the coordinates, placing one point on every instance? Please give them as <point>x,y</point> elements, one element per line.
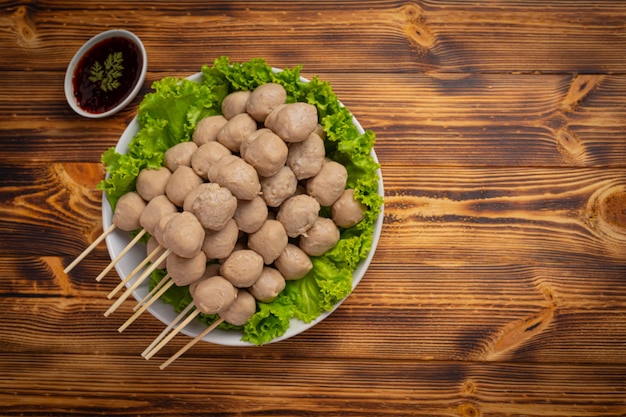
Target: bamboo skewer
<point>147,304</point>
<point>169,327</point>
<point>173,333</point>
<point>90,248</point>
<point>164,280</point>
<point>137,283</point>
<point>134,272</point>
<point>121,254</point>
<point>191,343</point>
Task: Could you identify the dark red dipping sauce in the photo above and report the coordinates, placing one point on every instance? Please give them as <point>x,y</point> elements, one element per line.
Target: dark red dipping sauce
<point>106,74</point>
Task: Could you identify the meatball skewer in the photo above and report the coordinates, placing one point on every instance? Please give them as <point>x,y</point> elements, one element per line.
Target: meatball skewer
<point>125,217</point>
<point>211,295</point>
<point>137,283</point>
<point>134,272</point>
<point>148,301</point>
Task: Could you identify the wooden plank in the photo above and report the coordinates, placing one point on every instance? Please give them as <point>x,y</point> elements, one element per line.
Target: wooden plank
<point>62,385</point>
<point>423,119</point>
<point>429,36</point>
<point>481,312</point>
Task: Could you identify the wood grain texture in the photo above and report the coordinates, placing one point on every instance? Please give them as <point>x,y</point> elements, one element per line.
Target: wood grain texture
<point>424,119</point>
<point>393,36</point>
<point>325,387</point>
<point>498,286</point>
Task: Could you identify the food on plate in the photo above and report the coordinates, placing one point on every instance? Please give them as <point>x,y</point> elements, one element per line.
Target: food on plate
<point>322,236</point>
<point>184,271</point>
<point>242,267</point>
<point>301,280</point>
<point>235,103</point>
<point>214,294</point>
<point>184,235</point>
<point>251,214</point>
<point>179,155</point>
<point>307,157</point>
<point>207,128</point>
<point>128,211</point>
<point>264,99</point>
<point>240,311</point>
<point>214,206</point>
<point>293,263</point>
<point>181,182</point>
<point>235,130</point>
<point>298,213</point>
<point>219,244</point>
<point>328,185</point>
<point>269,241</point>
<point>347,211</point>
<point>154,211</point>
<point>152,182</point>
<point>206,155</point>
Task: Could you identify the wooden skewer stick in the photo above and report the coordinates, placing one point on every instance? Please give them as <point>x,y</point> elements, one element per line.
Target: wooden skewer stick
<point>121,254</point>
<point>137,283</point>
<point>90,248</point>
<point>173,333</point>
<point>147,304</point>
<point>191,343</point>
<point>169,327</point>
<point>134,272</point>
<point>164,280</point>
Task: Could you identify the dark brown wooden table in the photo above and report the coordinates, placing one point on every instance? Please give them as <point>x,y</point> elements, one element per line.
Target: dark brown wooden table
<point>499,284</point>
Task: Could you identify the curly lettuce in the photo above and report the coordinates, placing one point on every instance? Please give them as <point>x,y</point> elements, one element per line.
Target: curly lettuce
<point>169,115</point>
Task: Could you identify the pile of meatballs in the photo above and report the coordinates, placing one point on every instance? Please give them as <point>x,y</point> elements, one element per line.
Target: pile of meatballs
<point>238,207</point>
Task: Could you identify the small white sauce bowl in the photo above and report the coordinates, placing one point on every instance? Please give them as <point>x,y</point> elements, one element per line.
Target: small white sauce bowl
<point>69,74</point>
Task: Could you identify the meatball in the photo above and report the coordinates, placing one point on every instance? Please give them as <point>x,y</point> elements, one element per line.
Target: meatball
<point>266,152</point>
<point>155,209</point>
<point>293,122</point>
<point>128,211</point>
<point>211,270</point>
<point>241,309</point>
<point>184,235</point>
<point>152,182</point>
<point>269,284</point>
<point>278,187</point>
<point>160,227</point>
<point>264,99</point>
<point>307,157</point>
<point>328,185</point>
<point>207,129</point>
<point>206,155</point>
<point>347,211</point>
<point>293,263</point>
<point>269,241</point>
<point>239,177</point>
<point>242,268</point>
<point>235,130</point>
<point>298,213</point>
<point>321,237</point>
<point>235,103</point>
<point>179,155</point>
<point>182,181</point>
<point>220,244</point>
<point>184,271</point>
<point>213,295</point>
<point>250,214</point>
<point>214,206</point>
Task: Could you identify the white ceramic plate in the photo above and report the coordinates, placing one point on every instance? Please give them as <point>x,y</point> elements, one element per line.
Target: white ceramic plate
<point>118,240</point>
